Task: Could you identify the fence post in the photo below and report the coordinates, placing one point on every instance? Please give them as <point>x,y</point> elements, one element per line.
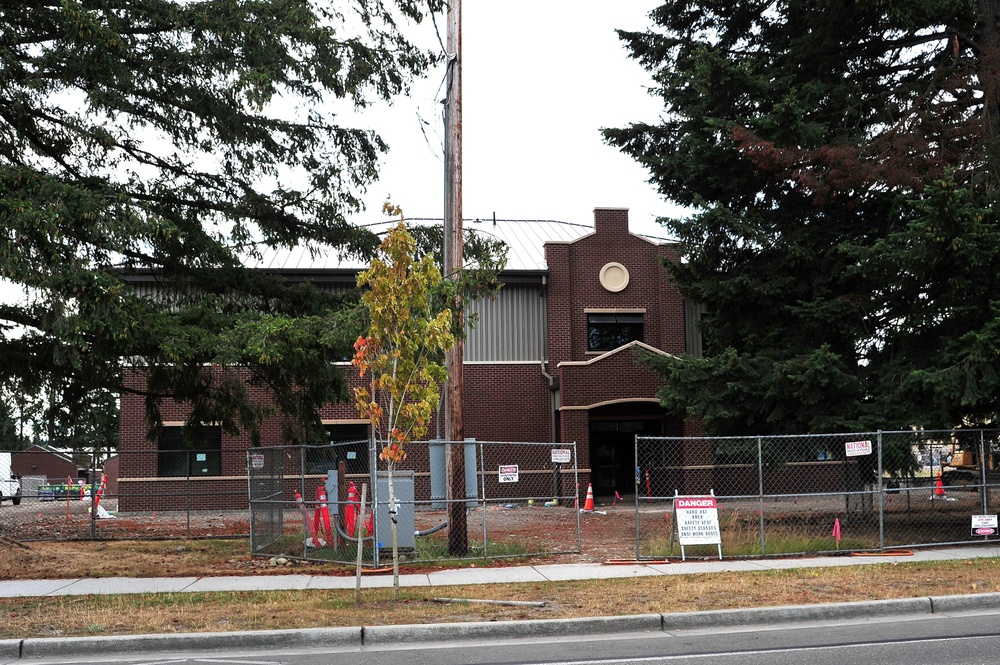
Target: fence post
<point>482,477</point>
<point>93,496</point>
<point>556,483</point>
<point>983,465</point>
<point>636,494</point>
<point>188,494</point>
<point>576,481</point>
<point>373,478</point>
<point>881,495</point>
<point>760,490</point>
<point>250,500</point>
<point>360,525</point>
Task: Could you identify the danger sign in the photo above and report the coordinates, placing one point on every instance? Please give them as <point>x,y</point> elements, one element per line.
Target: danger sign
<point>984,525</point>
<point>508,473</point>
<point>697,520</point>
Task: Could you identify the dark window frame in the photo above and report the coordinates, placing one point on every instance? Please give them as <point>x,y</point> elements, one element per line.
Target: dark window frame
<point>607,331</point>
<point>195,453</point>
<point>346,442</point>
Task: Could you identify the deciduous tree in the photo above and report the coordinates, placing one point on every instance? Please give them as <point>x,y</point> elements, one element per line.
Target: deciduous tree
<point>400,354</point>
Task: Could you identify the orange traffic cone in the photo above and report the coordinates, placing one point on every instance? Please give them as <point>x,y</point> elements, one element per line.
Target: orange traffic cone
<point>323,512</point>
<point>588,505</point>
<point>351,509</point>
<point>938,486</point>
<point>100,490</point>
<point>313,540</point>
<point>316,527</point>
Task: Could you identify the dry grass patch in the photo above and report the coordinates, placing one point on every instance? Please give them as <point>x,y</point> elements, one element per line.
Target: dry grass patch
<point>131,558</point>
<point>167,613</point>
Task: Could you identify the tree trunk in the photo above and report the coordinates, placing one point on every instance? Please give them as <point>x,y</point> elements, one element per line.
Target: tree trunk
<point>393,526</point>
<point>989,70</point>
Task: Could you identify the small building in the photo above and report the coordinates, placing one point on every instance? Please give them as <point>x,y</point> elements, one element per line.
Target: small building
<point>552,359</point>
<point>54,465</point>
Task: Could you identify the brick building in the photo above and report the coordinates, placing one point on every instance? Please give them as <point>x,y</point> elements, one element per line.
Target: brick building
<point>553,358</point>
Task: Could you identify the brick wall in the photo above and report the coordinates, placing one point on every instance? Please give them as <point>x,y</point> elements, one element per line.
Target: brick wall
<point>507,403</point>
<point>574,286</point>
<point>617,377</point>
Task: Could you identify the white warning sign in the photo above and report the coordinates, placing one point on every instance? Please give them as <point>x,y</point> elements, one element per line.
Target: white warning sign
<point>508,473</point>
<point>858,448</point>
<point>697,520</point>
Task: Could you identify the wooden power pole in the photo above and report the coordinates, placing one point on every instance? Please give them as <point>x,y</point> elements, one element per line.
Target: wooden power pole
<point>458,536</point>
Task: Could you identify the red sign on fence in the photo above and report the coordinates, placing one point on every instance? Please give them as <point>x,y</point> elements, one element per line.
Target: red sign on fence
<point>697,519</point>
<point>984,525</point>
<point>856,448</point>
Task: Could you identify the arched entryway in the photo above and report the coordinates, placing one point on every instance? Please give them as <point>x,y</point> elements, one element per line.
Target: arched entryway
<point>612,433</point>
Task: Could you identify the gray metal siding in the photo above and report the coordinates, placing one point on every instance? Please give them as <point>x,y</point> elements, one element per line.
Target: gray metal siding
<point>510,328</point>
<point>693,313</point>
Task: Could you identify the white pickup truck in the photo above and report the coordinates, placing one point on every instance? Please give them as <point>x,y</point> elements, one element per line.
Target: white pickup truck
<point>10,482</point>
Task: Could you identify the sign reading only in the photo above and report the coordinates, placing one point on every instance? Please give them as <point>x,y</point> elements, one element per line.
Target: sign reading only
<point>508,473</point>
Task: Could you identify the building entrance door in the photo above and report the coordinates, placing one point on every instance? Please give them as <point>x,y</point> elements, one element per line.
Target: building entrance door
<point>612,452</point>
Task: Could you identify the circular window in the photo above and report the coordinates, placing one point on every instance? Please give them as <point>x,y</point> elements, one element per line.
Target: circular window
<point>614,277</point>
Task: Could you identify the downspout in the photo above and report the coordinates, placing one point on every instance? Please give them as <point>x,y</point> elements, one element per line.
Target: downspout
<point>552,401</point>
<point>542,362</point>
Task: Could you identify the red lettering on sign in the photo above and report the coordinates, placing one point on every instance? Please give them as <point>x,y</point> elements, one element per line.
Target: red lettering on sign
<point>695,503</point>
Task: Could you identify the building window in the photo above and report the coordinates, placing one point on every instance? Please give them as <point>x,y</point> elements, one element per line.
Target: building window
<point>195,453</point>
<point>345,442</point>
<point>609,331</point>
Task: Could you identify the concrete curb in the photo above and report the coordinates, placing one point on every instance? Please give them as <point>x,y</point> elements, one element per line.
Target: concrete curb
<point>499,630</point>
<point>10,650</point>
<point>82,647</point>
<point>127,644</point>
<point>978,601</point>
<point>792,613</point>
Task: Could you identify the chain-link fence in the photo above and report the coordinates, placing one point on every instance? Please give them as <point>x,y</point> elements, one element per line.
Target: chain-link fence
<point>125,495</point>
<point>520,499</point>
<point>861,492</point>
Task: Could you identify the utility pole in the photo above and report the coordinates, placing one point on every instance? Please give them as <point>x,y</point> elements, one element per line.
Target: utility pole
<point>458,537</point>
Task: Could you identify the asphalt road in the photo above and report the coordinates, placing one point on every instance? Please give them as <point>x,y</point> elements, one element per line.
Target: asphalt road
<point>953,639</point>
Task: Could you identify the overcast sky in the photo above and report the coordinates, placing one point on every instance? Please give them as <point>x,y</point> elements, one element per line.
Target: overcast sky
<point>540,77</point>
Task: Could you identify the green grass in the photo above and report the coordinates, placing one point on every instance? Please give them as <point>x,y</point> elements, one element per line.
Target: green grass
<point>433,548</point>
<point>741,537</point>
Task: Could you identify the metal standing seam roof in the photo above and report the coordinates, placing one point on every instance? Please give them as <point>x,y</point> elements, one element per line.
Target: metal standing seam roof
<point>525,239</point>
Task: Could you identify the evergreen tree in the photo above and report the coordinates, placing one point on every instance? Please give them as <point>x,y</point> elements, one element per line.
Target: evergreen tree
<point>841,162</point>
<point>172,141</point>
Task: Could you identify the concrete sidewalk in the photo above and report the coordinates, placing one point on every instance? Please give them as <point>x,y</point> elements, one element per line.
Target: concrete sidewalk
<point>60,650</point>
<point>462,576</point>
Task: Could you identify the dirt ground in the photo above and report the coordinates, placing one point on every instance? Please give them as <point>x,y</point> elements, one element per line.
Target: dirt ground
<point>607,533</point>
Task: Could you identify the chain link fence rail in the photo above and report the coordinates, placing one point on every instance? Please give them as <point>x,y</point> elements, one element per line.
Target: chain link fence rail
<point>520,500</point>
<point>862,492</point>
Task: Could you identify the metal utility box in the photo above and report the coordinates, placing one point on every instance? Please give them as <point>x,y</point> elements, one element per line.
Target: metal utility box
<point>437,452</point>
<point>331,492</point>
<point>405,520</point>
